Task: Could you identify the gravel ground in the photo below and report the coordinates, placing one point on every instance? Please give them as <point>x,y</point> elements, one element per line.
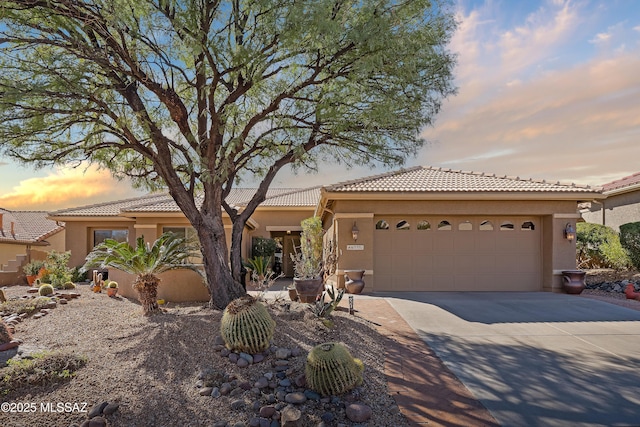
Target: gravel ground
<point>150,365</point>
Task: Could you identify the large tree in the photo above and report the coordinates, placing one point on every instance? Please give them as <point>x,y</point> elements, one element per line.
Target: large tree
<point>193,95</point>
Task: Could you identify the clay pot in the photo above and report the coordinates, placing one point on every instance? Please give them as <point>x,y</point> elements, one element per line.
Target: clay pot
<point>308,289</point>
<point>573,281</point>
<point>353,281</point>
<point>112,292</point>
<point>31,279</point>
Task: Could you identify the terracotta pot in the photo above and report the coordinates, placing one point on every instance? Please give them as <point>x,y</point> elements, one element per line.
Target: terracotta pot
<point>112,292</point>
<point>353,281</point>
<point>573,281</point>
<point>308,289</point>
<point>97,289</point>
<point>31,279</point>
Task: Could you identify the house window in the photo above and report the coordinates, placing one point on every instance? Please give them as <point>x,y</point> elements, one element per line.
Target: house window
<point>486,225</point>
<point>505,226</point>
<point>403,225</point>
<point>465,226</point>
<point>189,234</point>
<point>382,225</point>
<point>423,225</point>
<point>444,226</point>
<point>100,236</point>
<point>528,226</point>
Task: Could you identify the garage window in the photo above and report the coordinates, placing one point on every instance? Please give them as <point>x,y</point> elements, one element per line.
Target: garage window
<point>506,226</point>
<point>403,225</point>
<point>528,226</point>
<point>465,226</point>
<point>486,225</point>
<point>423,225</point>
<point>444,226</point>
<point>382,225</point>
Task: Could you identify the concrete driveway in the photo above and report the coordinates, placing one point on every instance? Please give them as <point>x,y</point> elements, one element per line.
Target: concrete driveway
<point>535,359</point>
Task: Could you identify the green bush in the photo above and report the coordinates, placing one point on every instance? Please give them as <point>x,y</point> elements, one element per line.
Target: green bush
<point>57,266</point>
<point>263,247</point>
<point>598,246</point>
<point>19,306</point>
<point>630,240</point>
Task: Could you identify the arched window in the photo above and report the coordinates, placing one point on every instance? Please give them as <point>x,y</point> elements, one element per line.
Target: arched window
<point>465,226</point>
<point>506,225</point>
<point>444,226</point>
<point>403,225</point>
<point>486,225</point>
<point>528,226</point>
<point>423,225</point>
<point>382,225</point>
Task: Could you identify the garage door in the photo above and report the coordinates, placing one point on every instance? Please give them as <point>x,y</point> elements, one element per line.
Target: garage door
<point>457,253</point>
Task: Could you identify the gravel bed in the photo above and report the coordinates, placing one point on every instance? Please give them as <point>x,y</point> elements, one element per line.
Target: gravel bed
<point>150,365</point>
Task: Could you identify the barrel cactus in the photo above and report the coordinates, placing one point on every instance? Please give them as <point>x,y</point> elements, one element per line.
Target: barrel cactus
<point>246,325</point>
<point>45,290</point>
<point>5,333</point>
<point>331,369</point>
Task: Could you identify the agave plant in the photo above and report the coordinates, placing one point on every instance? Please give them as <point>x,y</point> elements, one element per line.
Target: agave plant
<point>145,261</point>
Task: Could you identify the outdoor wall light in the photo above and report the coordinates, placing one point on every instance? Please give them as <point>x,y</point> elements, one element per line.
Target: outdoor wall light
<point>354,232</point>
<point>569,232</point>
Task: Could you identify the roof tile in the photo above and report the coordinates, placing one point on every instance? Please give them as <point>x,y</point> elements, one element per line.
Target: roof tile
<point>28,226</point>
<point>429,179</point>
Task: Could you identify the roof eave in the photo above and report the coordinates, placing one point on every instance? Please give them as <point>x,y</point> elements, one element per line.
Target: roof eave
<point>459,195</point>
<point>622,190</point>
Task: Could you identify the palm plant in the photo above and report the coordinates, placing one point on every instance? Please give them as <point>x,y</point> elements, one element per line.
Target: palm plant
<point>145,261</point>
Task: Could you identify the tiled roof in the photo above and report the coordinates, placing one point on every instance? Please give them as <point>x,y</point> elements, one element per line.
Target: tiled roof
<point>111,208</point>
<point>295,198</point>
<point>164,203</point>
<point>28,226</point>
<point>618,184</point>
<point>429,179</point>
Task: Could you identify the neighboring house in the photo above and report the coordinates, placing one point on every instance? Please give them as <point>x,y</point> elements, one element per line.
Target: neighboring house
<point>24,236</point>
<point>418,229</point>
<point>621,205</point>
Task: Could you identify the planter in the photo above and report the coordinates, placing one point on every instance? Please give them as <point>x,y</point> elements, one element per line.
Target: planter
<point>293,294</point>
<point>112,292</point>
<point>97,289</point>
<point>308,289</point>
<point>353,281</point>
<point>573,281</point>
<point>31,279</point>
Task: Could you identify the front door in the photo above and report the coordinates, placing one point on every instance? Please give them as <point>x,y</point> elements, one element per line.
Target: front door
<point>291,244</point>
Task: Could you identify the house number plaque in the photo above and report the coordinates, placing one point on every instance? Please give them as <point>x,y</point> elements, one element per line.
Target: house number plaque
<point>355,247</point>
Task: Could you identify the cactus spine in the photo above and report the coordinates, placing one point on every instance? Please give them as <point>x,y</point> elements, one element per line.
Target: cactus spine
<point>247,326</point>
<point>331,369</point>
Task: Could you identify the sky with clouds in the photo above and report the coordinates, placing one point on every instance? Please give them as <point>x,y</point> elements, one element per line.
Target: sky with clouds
<point>547,89</point>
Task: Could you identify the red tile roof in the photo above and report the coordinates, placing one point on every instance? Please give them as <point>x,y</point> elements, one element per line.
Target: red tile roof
<point>28,227</point>
<point>621,183</point>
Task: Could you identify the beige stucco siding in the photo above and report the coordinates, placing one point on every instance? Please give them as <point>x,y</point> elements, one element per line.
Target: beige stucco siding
<point>615,210</point>
<point>79,236</point>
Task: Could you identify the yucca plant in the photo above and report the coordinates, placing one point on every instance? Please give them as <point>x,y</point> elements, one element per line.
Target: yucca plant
<point>145,261</point>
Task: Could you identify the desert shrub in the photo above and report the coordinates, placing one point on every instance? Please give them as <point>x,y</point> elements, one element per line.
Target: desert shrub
<point>42,369</point>
<point>263,247</point>
<point>630,240</point>
<point>598,246</point>
<point>78,275</point>
<point>57,266</point>
<point>20,306</point>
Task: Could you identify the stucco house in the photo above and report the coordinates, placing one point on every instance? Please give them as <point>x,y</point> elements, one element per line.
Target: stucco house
<point>423,228</point>
<point>621,205</point>
<point>26,236</point>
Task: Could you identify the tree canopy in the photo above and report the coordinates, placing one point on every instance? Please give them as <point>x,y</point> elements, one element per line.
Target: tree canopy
<point>194,95</point>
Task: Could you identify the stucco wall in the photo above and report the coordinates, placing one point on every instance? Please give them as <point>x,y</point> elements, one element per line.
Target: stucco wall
<point>79,236</point>
<point>615,210</point>
<point>175,286</point>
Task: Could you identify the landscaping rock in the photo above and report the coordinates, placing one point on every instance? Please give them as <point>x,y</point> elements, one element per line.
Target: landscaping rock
<point>205,391</point>
<point>97,410</point>
<point>242,362</point>
<point>215,392</point>
<point>267,411</point>
<point>290,417</point>
<point>110,408</point>
<point>358,412</point>
<point>97,422</point>
<point>238,404</point>
<point>262,382</point>
<point>258,358</point>
<point>295,398</point>
<point>283,353</point>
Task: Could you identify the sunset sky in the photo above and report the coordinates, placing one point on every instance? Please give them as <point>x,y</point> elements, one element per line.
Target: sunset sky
<point>547,89</point>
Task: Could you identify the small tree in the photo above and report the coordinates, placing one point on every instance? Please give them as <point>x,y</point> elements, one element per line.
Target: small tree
<point>598,246</point>
<point>57,266</point>
<point>630,240</point>
<point>146,261</point>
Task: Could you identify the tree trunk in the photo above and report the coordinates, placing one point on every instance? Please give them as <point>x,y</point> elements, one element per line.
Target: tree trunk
<point>222,287</point>
<point>147,287</point>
